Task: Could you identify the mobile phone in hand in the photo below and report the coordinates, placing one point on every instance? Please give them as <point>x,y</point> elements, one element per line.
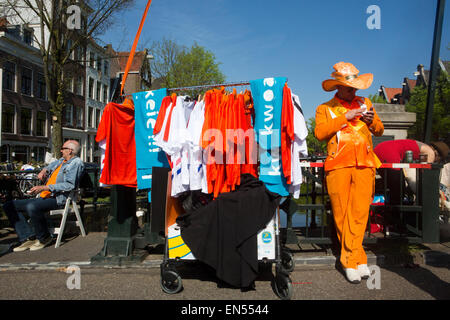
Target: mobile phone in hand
<point>365,111</point>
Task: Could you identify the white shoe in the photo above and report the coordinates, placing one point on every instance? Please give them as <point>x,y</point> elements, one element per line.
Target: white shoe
<point>364,271</point>
<point>41,244</point>
<point>25,245</point>
<point>352,275</point>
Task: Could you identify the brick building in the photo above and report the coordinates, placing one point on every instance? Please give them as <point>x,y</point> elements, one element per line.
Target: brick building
<point>25,110</point>
<point>139,75</point>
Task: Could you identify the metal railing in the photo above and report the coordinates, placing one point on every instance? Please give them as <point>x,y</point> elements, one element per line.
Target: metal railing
<point>414,215</point>
<point>94,199</point>
<point>14,184</point>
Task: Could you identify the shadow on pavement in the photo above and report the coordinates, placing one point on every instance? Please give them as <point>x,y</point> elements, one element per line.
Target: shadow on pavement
<point>424,279</point>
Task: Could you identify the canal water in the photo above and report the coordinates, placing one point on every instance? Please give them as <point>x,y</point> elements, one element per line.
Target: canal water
<point>298,219</point>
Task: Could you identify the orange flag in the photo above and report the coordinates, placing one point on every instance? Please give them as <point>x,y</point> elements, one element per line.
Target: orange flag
<point>133,49</point>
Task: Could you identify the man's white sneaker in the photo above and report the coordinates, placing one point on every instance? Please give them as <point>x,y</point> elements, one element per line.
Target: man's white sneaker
<point>352,275</point>
<point>41,244</point>
<point>364,271</point>
<point>25,245</point>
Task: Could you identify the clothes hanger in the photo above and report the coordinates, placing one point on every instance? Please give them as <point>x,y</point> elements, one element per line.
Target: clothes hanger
<point>128,103</point>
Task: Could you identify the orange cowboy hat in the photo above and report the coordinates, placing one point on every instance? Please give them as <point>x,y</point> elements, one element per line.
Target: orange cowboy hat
<point>347,75</point>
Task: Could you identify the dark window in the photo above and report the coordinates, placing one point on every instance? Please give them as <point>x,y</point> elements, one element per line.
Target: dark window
<point>27,78</point>
<point>97,117</point>
<point>20,153</point>
<point>91,88</point>
<point>71,86</point>
<point>90,117</point>
<point>41,120</point>
<point>79,117</point>
<point>9,76</point>
<point>4,153</point>
<point>39,154</point>
<point>105,93</point>
<point>41,91</point>
<point>8,118</point>
<point>69,47</point>
<point>92,60</point>
<point>25,121</point>
<point>28,36</point>
<point>14,31</point>
<point>99,88</point>
<point>80,86</point>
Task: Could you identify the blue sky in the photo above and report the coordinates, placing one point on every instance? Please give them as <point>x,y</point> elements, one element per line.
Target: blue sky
<point>297,39</point>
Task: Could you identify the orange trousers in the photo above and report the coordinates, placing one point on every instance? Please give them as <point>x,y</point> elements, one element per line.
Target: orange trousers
<point>351,192</point>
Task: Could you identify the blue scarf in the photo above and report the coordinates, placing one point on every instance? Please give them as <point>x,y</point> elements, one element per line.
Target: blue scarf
<point>268,101</point>
<point>148,155</point>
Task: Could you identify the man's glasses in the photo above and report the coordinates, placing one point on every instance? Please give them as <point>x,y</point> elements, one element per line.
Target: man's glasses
<point>65,148</point>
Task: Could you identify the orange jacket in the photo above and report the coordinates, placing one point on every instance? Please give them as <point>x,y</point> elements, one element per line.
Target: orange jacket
<point>349,142</point>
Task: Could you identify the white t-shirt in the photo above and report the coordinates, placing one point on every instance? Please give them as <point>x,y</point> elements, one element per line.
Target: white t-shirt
<point>102,146</point>
<point>182,145</point>
<point>195,125</point>
<point>298,146</point>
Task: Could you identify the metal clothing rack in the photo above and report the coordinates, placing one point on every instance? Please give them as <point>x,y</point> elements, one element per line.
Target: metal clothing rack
<point>215,85</point>
<point>230,84</point>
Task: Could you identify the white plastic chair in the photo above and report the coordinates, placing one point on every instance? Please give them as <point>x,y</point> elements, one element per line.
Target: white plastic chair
<point>70,207</point>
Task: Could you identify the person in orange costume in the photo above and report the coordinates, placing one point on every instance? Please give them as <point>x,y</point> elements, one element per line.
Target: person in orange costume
<point>347,123</point>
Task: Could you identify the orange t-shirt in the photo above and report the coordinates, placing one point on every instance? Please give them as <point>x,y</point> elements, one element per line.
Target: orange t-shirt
<point>117,127</point>
<point>46,194</point>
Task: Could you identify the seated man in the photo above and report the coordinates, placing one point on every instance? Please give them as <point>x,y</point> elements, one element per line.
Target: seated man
<point>64,177</point>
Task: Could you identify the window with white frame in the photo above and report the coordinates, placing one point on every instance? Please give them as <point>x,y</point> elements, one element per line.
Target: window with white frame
<point>68,113</point>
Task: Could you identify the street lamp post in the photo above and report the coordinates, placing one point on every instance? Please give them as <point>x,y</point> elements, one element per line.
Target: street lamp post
<point>433,69</point>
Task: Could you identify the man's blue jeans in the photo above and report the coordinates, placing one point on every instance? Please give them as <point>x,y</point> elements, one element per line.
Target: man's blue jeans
<point>35,209</point>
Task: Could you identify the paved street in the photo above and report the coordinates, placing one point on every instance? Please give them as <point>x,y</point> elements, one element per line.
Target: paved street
<point>309,283</point>
<point>43,275</point>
